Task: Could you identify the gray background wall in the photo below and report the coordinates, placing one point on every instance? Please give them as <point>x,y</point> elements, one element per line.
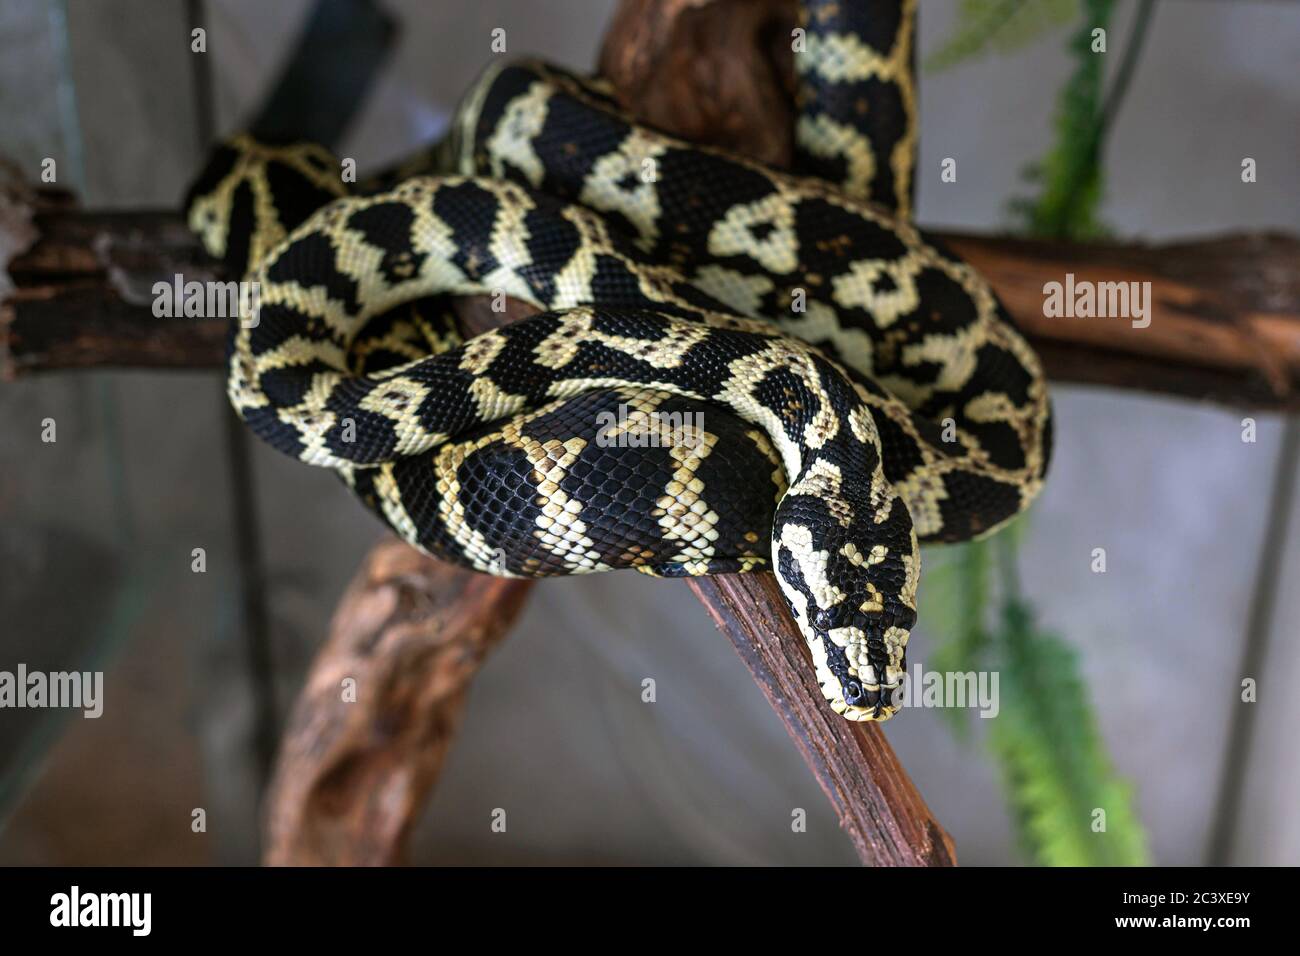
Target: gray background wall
<point>97,528</point>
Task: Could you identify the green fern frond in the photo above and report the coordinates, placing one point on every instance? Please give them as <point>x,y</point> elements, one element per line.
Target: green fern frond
<point>998,25</point>
<point>1069,806</point>
<point>1070,174</point>
<point>1055,769</point>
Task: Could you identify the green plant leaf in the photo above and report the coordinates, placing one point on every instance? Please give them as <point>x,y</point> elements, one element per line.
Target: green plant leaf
<point>1056,772</point>
<point>998,25</point>
<point>1070,175</point>
<point>1068,805</point>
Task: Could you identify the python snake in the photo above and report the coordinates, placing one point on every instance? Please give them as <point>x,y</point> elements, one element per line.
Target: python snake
<point>858,389</point>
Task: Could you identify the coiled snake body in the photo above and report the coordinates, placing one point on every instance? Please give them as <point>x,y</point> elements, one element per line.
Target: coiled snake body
<point>856,387</point>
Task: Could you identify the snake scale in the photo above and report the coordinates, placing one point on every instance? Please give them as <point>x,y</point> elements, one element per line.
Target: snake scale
<point>858,389</point>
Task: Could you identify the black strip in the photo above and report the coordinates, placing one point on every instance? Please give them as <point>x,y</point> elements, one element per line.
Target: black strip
<point>341,49</point>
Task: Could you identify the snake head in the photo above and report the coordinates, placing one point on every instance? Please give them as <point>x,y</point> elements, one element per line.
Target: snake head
<point>859,658</point>
<point>852,591</point>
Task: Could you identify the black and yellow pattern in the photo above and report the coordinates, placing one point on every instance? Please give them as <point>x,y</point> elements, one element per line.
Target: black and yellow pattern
<point>859,388</point>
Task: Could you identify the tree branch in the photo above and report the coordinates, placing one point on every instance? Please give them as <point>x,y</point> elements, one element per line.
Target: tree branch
<point>1225,311</point>
<point>352,774</point>
<point>879,807</point>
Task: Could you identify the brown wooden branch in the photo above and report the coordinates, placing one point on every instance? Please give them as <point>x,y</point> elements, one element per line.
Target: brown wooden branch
<point>878,805</point>
<point>353,775</point>
<point>1225,326</point>
<point>708,71</point>
<point>1224,313</point>
<point>84,297</point>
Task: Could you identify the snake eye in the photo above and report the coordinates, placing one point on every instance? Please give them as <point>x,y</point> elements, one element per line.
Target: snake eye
<point>852,692</point>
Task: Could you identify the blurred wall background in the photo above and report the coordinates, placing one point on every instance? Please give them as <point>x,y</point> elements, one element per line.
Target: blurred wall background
<point>97,529</point>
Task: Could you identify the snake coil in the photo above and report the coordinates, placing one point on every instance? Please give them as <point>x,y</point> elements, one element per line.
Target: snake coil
<point>854,388</point>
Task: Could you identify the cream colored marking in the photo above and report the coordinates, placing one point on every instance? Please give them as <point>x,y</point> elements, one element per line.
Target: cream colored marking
<point>744,293</point>
<point>480,352</point>
<point>394,509</point>
<point>789,356</point>
<point>684,515</point>
<point>911,574</point>
<point>828,139</point>
<point>559,527</point>
<point>882,496</point>
<point>812,562</point>
<point>821,323</point>
<point>857,287</point>
<point>924,491</point>
<point>776,251</point>
<point>398,399</point>
<point>602,188</point>
<point>823,480</point>
<point>493,403</point>
<point>512,141</point>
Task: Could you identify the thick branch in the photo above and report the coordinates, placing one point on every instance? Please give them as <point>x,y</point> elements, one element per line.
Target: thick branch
<point>1225,312</point>
<point>705,71</point>
<point>83,294</point>
<point>359,758</point>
